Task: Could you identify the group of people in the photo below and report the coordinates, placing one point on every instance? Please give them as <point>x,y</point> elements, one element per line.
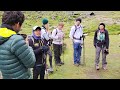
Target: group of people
<point>18,54</point>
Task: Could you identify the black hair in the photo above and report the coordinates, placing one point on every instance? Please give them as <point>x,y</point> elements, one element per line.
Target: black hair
<point>79,19</point>
<point>101,24</point>
<point>13,17</point>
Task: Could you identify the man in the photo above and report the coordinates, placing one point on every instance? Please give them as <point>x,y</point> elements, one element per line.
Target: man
<point>47,37</point>
<point>58,36</point>
<point>76,34</point>
<point>101,43</point>
<point>16,57</point>
<point>37,44</point>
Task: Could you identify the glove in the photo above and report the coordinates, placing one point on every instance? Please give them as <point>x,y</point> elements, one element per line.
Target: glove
<point>45,48</point>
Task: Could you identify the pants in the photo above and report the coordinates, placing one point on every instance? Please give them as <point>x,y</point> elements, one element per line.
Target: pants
<point>98,50</point>
<point>50,57</point>
<point>57,53</point>
<point>39,70</point>
<point>77,52</point>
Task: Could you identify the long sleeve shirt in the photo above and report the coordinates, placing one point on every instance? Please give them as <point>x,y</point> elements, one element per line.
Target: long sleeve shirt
<point>57,36</point>
<point>77,34</point>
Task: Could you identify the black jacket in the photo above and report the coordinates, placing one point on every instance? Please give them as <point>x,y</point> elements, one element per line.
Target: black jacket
<point>104,43</point>
<point>37,47</point>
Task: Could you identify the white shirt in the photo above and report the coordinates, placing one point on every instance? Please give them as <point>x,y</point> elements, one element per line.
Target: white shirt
<point>78,33</point>
<point>57,38</point>
<point>45,34</point>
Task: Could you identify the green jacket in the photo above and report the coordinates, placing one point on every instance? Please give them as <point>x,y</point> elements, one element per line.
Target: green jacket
<point>16,57</point>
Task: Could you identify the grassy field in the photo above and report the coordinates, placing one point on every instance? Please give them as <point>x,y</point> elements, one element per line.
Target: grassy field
<point>90,24</point>
<point>69,71</point>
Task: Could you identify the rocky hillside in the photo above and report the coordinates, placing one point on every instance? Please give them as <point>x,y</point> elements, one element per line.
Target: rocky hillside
<point>90,20</point>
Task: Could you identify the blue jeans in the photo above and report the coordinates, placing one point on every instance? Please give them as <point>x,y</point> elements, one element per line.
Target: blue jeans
<point>77,52</point>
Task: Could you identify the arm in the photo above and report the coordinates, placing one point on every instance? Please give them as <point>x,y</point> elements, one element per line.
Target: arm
<point>23,52</point>
<point>95,38</point>
<point>71,33</point>
<point>107,39</point>
<point>36,51</point>
<point>54,36</point>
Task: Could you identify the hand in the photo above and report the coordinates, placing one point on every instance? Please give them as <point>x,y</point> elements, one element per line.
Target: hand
<point>107,50</point>
<point>45,48</point>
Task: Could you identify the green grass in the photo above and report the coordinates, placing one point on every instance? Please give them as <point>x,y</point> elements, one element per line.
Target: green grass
<point>69,71</point>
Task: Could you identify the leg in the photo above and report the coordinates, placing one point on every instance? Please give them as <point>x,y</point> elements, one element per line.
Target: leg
<point>50,57</point>
<point>79,54</point>
<point>98,50</point>
<point>104,63</point>
<point>75,52</point>
<point>36,72</point>
<point>42,72</point>
<point>55,48</point>
<point>59,53</point>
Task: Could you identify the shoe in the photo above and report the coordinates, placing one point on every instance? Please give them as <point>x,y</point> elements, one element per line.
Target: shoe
<point>50,70</point>
<point>62,63</point>
<point>97,67</point>
<point>104,67</point>
<point>79,63</point>
<point>76,64</point>
<point>58,64</point>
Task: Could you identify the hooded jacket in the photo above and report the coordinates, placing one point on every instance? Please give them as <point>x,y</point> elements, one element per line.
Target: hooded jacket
<point>16,57</point>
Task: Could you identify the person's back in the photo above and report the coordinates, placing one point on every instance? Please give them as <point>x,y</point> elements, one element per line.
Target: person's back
<point>16,57</point>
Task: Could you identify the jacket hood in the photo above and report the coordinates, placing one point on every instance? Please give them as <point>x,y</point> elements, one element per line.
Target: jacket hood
<point>5,34</point>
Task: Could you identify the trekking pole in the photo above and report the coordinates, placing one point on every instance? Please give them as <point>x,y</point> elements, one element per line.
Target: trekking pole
<point>63,50</point>
<point>84,52</point>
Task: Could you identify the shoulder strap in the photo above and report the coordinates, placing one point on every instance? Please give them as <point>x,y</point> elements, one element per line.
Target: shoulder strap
<point>56,32</point>
<point>30,37</point>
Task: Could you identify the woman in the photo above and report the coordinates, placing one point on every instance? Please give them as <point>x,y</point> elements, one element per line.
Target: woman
<point>101,43</point>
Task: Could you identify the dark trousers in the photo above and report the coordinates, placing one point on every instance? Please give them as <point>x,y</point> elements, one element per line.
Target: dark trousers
<point>39,70</point>
<point>57,53</point>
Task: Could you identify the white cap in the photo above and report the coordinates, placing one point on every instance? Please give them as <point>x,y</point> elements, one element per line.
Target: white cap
<point>35,27</point>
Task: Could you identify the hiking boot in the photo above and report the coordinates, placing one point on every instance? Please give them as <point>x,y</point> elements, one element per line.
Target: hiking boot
<point>62,63</point>
<point>104,67</point>
<point>79,63</point>
<point>76,64</point>
<point>50,70</point>
<point>58,64</point>
<point>97,67</point>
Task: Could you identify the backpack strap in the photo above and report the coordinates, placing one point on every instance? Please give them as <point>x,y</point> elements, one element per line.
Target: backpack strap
<point>56,32</point>
<point>30,37</point>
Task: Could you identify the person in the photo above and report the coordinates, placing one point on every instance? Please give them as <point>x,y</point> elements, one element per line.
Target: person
<point>101,43</point>
<point>76,34</point>
<point>58,35</point>
<point>48,40</point>
<point>40,49</point>
<point>16,57</point>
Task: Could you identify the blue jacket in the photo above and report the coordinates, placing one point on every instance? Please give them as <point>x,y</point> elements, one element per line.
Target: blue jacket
<point>16,57</point>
